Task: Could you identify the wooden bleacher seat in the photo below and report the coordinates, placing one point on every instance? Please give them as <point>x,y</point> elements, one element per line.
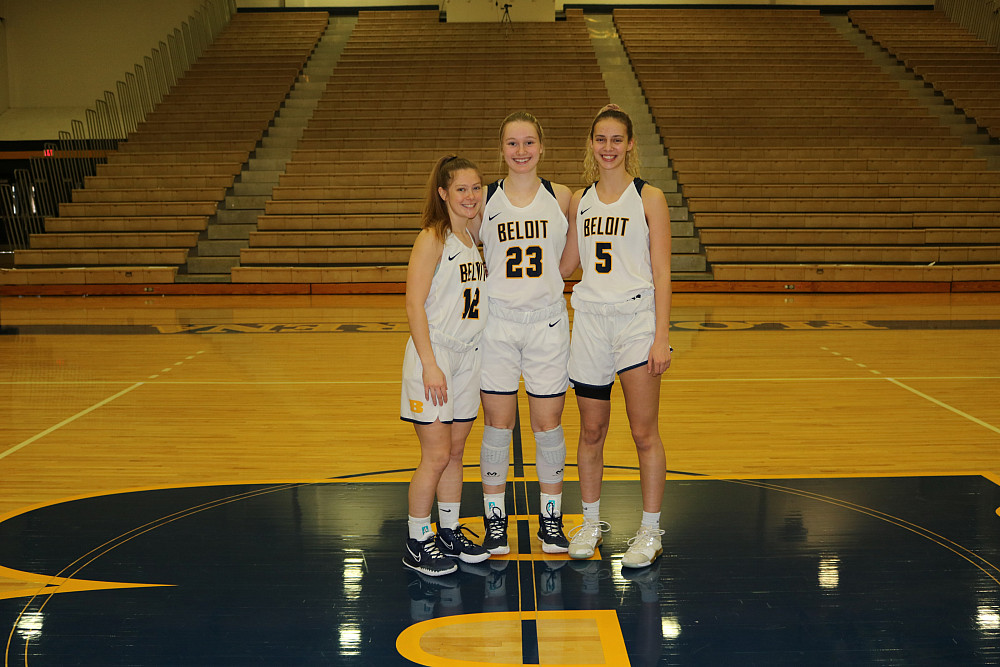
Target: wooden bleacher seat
<point>963,67</point>
<point>348,205</point>
<point>148,205</point>
<point>797,155</point>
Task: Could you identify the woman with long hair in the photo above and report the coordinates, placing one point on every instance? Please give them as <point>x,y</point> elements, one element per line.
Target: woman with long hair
<point>445,291</point>
<point>620,236</point>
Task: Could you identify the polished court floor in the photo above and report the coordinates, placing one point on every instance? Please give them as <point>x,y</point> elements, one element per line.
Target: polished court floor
<point>222,481</point>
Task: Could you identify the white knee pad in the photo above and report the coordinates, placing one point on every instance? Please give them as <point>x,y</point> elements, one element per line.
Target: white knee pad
<point>494,455</point>
<point>550,455</point>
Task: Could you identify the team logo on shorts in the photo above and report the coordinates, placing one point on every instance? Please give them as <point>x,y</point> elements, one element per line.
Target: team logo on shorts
<point>416,406</point>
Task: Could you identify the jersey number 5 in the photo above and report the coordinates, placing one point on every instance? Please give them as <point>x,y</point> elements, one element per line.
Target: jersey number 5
<point>515,256</point>
<point>470,311</point>
<point>603,253</point>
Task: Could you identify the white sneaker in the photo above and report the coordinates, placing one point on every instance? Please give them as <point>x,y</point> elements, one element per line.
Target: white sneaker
<point>585,538</point>
<point>644,548</point>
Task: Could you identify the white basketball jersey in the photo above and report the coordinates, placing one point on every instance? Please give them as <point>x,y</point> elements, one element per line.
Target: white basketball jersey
<point>523,247</point>
<point>456,303</point>
<point>614,247</point>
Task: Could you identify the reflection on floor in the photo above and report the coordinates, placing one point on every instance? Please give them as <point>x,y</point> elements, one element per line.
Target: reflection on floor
<point>859,571</point>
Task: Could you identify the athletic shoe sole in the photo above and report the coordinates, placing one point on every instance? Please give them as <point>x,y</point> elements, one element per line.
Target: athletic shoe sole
<point>471,558</point>
<point>645,564</point>
<point>429,572</point>
<point>600,541</point>
<point>554,548</point>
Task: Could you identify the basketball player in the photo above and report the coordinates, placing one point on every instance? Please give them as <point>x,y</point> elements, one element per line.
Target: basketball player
<point>523,230</point>
<point>445,298</point>
<point>620,235</point>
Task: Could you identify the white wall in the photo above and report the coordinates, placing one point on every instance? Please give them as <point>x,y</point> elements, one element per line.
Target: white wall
<point>491,11</point>
<point>66,53</point>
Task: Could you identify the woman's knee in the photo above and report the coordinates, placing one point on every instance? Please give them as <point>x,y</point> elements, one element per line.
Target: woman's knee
<point>593,435</point>
<point>647,439</point>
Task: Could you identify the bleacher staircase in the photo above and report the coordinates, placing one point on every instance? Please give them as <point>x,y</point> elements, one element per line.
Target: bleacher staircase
<point>228,232</point>
<point>791,146</point>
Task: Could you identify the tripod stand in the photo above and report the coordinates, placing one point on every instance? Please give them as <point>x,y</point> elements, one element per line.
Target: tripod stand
<point>508,25</point>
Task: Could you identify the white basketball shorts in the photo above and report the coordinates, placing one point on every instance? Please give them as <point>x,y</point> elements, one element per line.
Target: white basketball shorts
<point>532,344</point>
<point>461,369</point>
<point>604,344</point>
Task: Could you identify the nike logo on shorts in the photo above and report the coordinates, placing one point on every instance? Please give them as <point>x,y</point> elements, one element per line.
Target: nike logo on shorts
<point>555,323</point>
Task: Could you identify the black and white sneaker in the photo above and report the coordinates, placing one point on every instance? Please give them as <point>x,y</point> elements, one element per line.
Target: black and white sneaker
<point>550,532</point>
<point>425,557</point>
<point>496,533</point>
<point>454,544</point>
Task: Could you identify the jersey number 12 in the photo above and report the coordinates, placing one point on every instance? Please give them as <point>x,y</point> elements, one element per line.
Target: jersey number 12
<point>470,311</point>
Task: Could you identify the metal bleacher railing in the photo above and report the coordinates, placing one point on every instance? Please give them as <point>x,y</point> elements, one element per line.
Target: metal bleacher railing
<point>36,192</point>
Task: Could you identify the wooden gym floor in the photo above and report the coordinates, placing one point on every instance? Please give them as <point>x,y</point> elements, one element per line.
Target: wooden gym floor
<point>222,481</point>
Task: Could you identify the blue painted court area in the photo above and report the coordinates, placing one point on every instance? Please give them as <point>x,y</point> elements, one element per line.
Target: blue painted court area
<point>846,571</point>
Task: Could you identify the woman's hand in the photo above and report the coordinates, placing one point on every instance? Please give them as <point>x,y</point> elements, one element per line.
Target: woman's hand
<point>435,385</point>
<point>659,358</point>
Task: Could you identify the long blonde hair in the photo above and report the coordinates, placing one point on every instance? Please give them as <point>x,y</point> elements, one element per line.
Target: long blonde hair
<point>590,168</point>
<point>435,213</point>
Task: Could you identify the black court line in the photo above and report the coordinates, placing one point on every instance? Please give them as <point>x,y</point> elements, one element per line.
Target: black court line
<point>401,327</point>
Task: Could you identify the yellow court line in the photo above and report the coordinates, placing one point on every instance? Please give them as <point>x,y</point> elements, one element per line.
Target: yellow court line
<point>944,405</point>
<point>69,420</point>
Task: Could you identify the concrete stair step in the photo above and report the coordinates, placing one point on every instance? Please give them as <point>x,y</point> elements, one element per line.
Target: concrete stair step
<point>195,278</point>
<point>221,247</point>
<point>265,164</point>
<point>682,245</point>
<point>261,176</point>
<point>280,142</point>
<point>245,202</point>
<point>230,231</point>
<point>272,153</point>
<point>687,263</point>
<point>253,189</point>
<point>197,265</point>
<point>226,217</point>
<point>690,275</point>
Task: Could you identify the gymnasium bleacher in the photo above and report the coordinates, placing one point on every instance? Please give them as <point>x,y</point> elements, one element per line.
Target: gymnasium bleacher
<point>801,160</point>
<point>962,67</point>
<point>408,89</point>
<point>136,221</point>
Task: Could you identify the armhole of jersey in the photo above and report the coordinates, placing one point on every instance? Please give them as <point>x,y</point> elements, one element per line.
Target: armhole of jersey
<point>490,189</point>
<point>638,185</point>
<point>548,186</point>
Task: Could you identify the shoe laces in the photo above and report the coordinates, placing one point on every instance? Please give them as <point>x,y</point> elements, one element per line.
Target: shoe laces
<point>551,525</point>
<point>590,528</point>
<point>495,525</point>
<point>461,538</point>
<point>645,536</point>
<point>430,547</point>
